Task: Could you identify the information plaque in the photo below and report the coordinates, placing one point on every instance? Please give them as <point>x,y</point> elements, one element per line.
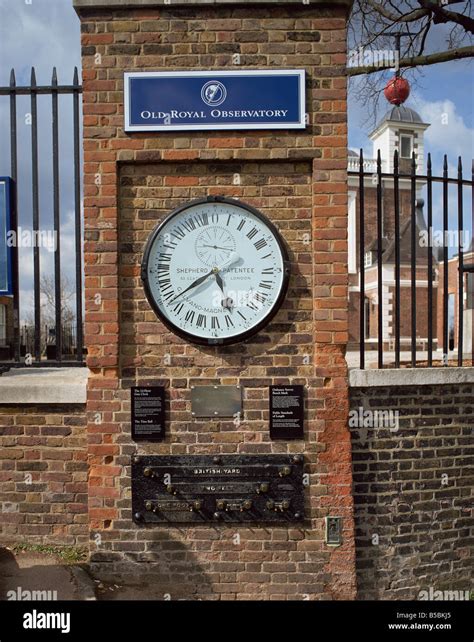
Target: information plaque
<point>286,412</point>
<point>253,489</point>
<point>148,413</point>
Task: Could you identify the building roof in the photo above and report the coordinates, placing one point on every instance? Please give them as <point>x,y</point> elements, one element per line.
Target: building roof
<point>401,114</point>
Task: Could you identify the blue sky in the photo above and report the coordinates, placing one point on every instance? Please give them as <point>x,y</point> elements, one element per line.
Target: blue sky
<point>46,33</point>
<point>446,88</point>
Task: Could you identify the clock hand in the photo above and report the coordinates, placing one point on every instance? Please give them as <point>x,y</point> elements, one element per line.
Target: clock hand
<point>194,284</point>
<point>217,247</point>
<point>232,259</point>
<point>226,302</point>
<point>220,282</point>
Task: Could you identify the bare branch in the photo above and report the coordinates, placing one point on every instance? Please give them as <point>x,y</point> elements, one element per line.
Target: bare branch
<point>424,35</point>
<point>408,17</point>
<point>442,15</point>
<point>415,61</point>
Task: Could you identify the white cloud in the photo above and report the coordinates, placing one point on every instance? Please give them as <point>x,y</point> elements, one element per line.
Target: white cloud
<point>448,133</point>
<point>68,265</point>
<point>39,34</point>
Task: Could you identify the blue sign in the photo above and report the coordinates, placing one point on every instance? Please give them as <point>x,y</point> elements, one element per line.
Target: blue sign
<point>5,247</point>
<point>203,100</point>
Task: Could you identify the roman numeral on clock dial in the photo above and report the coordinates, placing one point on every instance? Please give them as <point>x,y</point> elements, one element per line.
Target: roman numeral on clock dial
<point>189,316</point>
<point>260,244</point>
<point>201,321</point>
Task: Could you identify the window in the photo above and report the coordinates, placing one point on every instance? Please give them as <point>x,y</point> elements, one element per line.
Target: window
<point>406,146</point>
<point>3,324</point>
<point>368,259</point>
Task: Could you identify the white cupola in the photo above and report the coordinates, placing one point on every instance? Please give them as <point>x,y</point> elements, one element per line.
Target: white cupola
<point>400,129</point>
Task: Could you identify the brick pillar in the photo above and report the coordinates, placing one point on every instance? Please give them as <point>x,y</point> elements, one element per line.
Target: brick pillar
<point>296,178</point>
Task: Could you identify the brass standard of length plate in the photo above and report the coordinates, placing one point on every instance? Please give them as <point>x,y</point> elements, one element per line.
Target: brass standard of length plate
<point>223,488</point>
<point>216,401</point>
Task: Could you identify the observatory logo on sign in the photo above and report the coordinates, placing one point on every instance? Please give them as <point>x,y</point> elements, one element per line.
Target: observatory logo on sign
<point>213,93</point>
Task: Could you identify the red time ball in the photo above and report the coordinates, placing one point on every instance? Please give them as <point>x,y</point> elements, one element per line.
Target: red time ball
<point>397,90</point>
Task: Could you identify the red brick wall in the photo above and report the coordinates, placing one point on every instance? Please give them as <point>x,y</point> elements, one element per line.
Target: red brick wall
<point>388,209</point>
<point>43,474</point>
<point>299,180</point>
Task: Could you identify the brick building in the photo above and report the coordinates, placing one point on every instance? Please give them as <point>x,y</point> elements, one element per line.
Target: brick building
<point>400,129</point>
<point>453,302</point>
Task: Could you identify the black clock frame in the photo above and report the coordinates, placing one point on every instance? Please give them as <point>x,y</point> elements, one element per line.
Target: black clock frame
<point>183,333</point>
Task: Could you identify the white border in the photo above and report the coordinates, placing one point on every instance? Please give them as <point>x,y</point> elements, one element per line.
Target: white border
<point>301,124</point>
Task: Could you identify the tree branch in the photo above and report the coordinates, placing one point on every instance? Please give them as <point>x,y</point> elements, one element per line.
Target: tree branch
<point>426,30</point>
<point>440,14</point>
<point>416,61</point>
<point>416,14</point>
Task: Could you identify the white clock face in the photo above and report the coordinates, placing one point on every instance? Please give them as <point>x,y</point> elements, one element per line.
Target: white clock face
<point>215,271</point>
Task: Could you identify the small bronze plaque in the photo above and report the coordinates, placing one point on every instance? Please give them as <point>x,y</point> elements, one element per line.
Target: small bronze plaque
<point>216,401</point>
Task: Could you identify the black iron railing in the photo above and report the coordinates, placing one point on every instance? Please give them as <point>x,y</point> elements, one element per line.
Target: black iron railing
<point>437,346</point>
<point>39,356</point>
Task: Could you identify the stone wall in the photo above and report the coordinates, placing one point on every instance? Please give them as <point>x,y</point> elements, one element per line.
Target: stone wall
<point>43,474</point>
<point>413,481</point>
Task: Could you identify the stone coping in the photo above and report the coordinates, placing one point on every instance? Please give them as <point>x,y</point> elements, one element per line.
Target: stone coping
<point>44,386</point>
<point>134,4</point>
<point>410,377</point>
